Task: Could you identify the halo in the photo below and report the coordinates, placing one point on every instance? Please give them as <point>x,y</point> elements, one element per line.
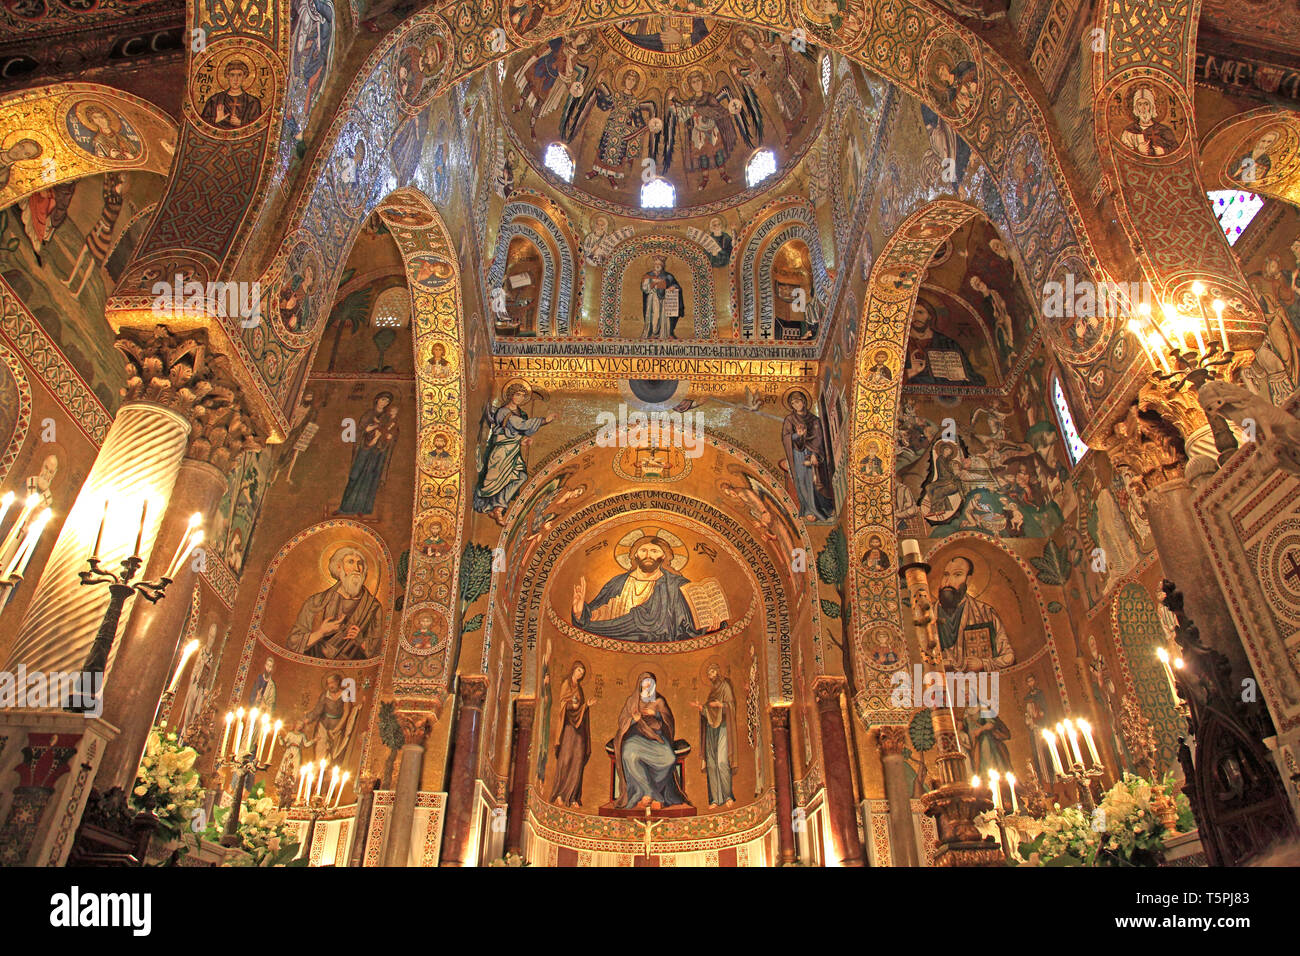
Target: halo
<point>623,550</point>
<point>576,662</point>
<point>509,386</point>
<point>724,668</point>
<point>83,108</point>
<point>372,564</point>
<point>789,392</point>
<point>640,80</point>
<point>978,581</point>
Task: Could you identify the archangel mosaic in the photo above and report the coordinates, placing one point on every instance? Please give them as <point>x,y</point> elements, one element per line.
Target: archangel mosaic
<point>736,433</point>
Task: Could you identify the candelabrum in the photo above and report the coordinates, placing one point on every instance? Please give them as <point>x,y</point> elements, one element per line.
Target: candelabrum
<point>121,587</point>
<point>311,780</point>
<point>1168,341</point>
<point>249,754</point>
<point>1074,766</point>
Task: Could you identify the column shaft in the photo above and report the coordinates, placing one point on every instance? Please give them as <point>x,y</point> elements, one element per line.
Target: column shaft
<point>398,846</point>
<point>521,745</point>
<point>140,457</point>
<point>840,801</point>
<point>784,783</point>
<point>902,839</point>
<point>472,690</point>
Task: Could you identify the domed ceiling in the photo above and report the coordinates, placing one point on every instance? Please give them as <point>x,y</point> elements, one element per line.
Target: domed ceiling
<point>685,99</point>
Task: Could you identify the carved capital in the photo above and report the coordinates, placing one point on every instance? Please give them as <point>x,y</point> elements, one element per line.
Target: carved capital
<point>415,727</point>
<point>473,690</point>
<point>525,708</point>
<point>1147,443</point>
<point>892,738</point>
<point>826,691</point>
<point>180,372</point>
<point>780,717</point>
<point>1178,407</point>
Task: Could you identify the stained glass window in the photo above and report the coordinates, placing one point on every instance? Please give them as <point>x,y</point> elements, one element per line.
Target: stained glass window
<point>1234,208</point>
<point>761,165</point>
<point>559,161</point>
<point>658,194</point>
<point>1065,420</point>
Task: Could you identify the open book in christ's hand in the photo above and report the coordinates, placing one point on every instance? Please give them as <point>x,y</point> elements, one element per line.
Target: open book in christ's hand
<point>707,603</point>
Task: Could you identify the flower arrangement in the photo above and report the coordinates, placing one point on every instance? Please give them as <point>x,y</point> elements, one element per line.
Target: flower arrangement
<point>263,834</point>
<point>166,782</point>
<point>510,859</point>
<point>1125,829</point>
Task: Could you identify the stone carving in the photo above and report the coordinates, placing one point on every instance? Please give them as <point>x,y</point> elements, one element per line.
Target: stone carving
<point>1277,432</point>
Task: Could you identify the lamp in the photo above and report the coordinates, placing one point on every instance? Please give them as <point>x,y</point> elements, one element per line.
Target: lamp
<point>1184,345</point>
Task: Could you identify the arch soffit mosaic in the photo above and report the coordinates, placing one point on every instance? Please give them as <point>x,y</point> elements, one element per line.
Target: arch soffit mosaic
<point>67,131</point>
<point>1258,151</point>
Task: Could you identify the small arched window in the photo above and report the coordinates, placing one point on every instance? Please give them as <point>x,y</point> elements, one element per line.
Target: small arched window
<point>559,161</point>
<point>392,308</point>
<point>761,166</point>
<point>658,194</point>
<point>1065,421</point>
<point>1234,208</point>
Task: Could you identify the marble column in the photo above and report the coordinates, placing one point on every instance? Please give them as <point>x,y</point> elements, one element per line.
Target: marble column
<point>472,693</point>
<point>1146,443</point>
<point>902,836</point>
<point>361,828</point>
<point>147,648</point>
<point>838,772</point>
<point>141,456</point>
<point>783,777</point>
<point>400,822</point>
<point>521,745</point>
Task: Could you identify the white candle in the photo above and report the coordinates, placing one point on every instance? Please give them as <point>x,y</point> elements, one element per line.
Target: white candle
<point>252,725</point>
<point>190,647</point>
<point>975,782</point>
<point>10,546</point>
<point>911,551</point>
<point>996,788</point>
<point>310,776</point>
<point>1069,733</point>
<point>1223,333</point>
<point>5,503</point>
<point>99,535</point>
<point>239,731</point>
<point>1011,784</point>
<point>1051,745</point>
<point>24,553</point>
<point>275,738</point>
<point>302,780</point>
<point>334,782</point>
<point>1169,674</point>
<point>261,741</point>
<point>1087,738</point>
<point>139,537</point>
<point>320,779</point>
<point>225,737</point>
<point>343,782</point>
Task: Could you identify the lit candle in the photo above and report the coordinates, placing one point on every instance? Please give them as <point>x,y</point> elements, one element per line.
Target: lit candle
<point>1223,333</point>
<point>1170,328</point>
<point>252,725</point>
<point>1011,784</point>
<point>190,647</point>
<point>1136,329</point>
<point>911,551</point>
<point>1051,745</point>
<point>320,780</point>
<point>975,782</point>
<point>239,731</point>
<point>225,737</point>
<point>24,553</point>
<point>334,782</point>
<point>261,741</point>
<point>995,787</point>
<point>343,782</point>
<point>99,535</point>
<point>311,775</point>
<point>5,504</point>
<point>139,537</point>
<point>11,539</point>
<point>275,737</point>
<point>1169,674</point>
<point>1087,738</point>
<point>1159,352</point>
<point>302,782</point>
<point>189,541</point>
<point>1074,741</point>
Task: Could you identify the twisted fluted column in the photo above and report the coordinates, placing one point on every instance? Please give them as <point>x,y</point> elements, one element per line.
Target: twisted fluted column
<point>140,457</point>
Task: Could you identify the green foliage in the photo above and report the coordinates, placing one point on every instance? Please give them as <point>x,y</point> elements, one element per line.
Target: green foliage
<point>475,573</point>
<point>921,730</point>
<point>831,609</point>
<point>390,729</point>
<point>403,567</point>
<point>833,561</point>
<point>1053,565</point>
<point>473,624</point>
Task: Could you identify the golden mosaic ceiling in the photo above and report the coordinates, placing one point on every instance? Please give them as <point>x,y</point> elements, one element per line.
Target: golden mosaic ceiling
<point>685,99</point>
